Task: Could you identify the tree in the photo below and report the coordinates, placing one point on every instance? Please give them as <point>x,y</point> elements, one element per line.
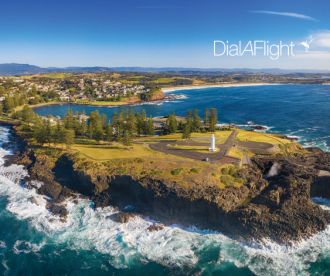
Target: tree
<point>8,104</point>
<point>95,126</point>
<point>83,127</point>
<point>68,137</point>
<point>171,124</point>
<point>141,122</point>
<point>116,126</point>
<point>186,133</point>
<point>206,118</point>
<point>49,132</point>
<point>127,139</point>
<point>98,134</point>
<point>69,120</point>
<point>130,123</point>
<point>108,133</point>
<point>58,133</point>
<point>27,114</point>
<point>150,127</point>
<point>196,122</point>
<point>213,119</point>
<point>40,134</point>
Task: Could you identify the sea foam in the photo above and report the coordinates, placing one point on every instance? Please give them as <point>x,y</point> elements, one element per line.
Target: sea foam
<point>175,247</point>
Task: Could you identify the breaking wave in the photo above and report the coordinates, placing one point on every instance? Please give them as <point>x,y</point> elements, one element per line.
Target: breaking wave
<point>128,244</point>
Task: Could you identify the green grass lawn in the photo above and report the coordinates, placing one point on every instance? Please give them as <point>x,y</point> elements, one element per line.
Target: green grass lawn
<point>244,135</point>
<point>221,137</point>
<point>123,101</point>
<point>114,151</point>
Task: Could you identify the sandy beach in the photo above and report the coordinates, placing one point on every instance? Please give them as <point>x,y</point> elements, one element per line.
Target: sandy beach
<point>187,87</point>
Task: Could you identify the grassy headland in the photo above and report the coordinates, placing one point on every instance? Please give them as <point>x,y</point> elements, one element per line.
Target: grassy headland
<point>171,155</point>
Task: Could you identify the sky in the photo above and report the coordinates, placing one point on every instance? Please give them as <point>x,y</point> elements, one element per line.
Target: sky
<point>167,33</point>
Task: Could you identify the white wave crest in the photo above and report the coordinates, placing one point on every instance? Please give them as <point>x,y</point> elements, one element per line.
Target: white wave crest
<point>3,244</point>
<point>131,242</point>
<point>26,247</point>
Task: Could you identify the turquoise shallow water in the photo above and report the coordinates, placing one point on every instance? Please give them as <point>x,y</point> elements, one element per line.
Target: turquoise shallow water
<point>34,242</point>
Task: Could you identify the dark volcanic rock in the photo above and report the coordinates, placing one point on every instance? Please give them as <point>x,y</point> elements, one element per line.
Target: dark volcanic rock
<point>258,127</point>
<point>57,209</point>
<point>155,227</point>
<point>122,217</point>
<point>284,210</point>
<point>273,205</point>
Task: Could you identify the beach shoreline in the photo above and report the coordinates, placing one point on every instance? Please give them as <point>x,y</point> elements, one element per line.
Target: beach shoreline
<point>220,85</point>
<point>165,90</point>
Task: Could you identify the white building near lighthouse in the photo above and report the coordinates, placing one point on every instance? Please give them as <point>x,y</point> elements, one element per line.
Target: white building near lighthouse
<point>212,148</point>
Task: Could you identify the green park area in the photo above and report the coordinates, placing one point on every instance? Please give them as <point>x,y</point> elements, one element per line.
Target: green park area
<point>132,144</point>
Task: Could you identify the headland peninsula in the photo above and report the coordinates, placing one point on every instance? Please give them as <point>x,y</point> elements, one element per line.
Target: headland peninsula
<point>248,184</point>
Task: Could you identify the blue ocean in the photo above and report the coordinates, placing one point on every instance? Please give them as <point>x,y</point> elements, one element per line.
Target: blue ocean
<point>35,242</point>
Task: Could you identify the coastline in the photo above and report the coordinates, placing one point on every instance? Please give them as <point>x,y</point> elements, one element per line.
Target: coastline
<point>224,85</point>
<point>164,90</point>
<point>80,103</point>
<point>253,222</point>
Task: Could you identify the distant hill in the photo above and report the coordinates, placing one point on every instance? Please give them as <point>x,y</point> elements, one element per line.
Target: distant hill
<point>8,69</point>
<point>16,69</point>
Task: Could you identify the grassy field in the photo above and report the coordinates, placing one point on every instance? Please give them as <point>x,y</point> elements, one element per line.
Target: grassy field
<point>123,101</point>
<point>140,149</point>
<point>221,137</point>
<point>139,161</point>
<point>236,153</point>
<point>244,135</point>
<point>113,151</point>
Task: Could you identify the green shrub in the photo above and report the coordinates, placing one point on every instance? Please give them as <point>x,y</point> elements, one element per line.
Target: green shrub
<point>194,170</point>
<point>176,171</point>
<point>227,180</point>
<point>224,170</point>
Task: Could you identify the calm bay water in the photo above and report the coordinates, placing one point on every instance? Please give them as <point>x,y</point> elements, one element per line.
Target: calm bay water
<point>34,242</point>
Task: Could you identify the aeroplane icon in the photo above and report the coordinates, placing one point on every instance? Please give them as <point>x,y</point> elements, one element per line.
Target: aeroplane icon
<point>306,44</point>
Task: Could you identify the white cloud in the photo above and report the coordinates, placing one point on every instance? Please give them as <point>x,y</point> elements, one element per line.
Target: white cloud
<point>312,55</point>
<point>321,39</point>
<point>287,14</point>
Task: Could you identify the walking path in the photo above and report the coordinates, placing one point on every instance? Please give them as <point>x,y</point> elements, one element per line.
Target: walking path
<point>226,146</point>
<point>220,156</point>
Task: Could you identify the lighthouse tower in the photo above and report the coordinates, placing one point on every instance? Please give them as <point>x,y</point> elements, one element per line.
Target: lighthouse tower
<point>212,148</point>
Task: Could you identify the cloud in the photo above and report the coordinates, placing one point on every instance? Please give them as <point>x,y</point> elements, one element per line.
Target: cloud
<point>287,14</point>
<point>321,39</point>
<point>314,55</point>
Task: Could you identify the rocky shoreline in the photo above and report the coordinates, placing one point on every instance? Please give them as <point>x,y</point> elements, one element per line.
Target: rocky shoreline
<point>274,203</point>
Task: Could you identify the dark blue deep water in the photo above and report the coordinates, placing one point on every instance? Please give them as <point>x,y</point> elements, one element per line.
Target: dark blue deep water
<point>34,242</point>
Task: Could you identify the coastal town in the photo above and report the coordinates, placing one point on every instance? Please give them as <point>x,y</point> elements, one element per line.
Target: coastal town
<point>117,88</point>
<point>80,89</point>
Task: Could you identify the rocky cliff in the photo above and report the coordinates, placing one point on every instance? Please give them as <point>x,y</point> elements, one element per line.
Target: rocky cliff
<point>274,202</point>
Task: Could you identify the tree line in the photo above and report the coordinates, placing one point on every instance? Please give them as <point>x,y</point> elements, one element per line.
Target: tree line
<point>192,123</point>
<point>123,126</point>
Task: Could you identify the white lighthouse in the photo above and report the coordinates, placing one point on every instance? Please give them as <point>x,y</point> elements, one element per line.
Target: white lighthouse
<point>212,148</point>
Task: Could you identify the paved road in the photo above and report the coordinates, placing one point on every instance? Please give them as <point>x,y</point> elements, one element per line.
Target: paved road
<point>224,149</point>
<point>221,156</point>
